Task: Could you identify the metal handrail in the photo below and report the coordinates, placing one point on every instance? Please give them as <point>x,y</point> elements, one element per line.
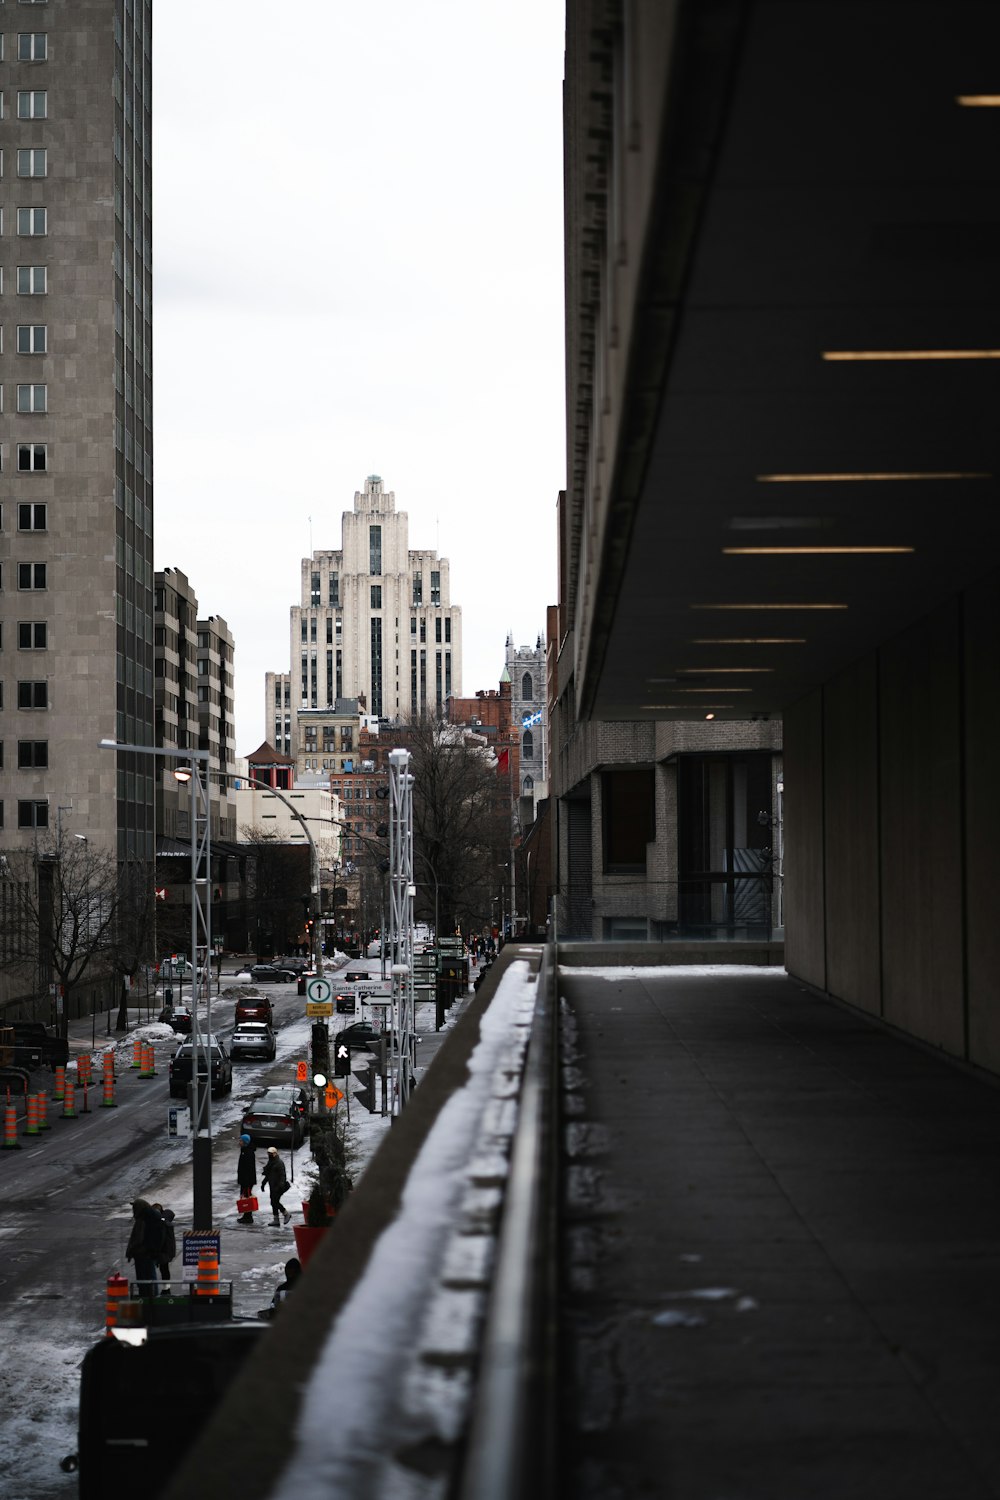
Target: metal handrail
<point>510,1450</point>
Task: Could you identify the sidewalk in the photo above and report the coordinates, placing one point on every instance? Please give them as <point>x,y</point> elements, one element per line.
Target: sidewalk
<point>784,1248</point>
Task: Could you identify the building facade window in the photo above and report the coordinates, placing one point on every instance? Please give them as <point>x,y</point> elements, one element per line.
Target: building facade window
<point>32,104</point>
<point>32,575</point>
<point>528,745</point>
<point>32,755</point>
<point>32,281</point>
<point>418,588</point>
<point>32,635</point>
<point>32,815</point>
<point>32,221</point>
<point>32,46</point>
<point>32,338</point>
<point>32,517</point>
<point>32,398</point>
<point>527,687</point>
<point>32,458</point>
<point>32,161</point>
<point>375,551</point>
<point>376,596</point>
<point>33,694</point>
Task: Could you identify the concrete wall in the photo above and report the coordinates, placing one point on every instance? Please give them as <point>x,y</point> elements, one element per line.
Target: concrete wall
<point>892,819</point>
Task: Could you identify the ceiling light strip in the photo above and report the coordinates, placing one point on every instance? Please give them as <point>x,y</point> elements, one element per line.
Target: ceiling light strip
<point>863,356</point>
<point>767,606</point>
<point>860,477</point>
<point>814,551</point>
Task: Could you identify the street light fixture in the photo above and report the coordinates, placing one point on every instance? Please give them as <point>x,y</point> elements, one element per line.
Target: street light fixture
<point>201,924</point>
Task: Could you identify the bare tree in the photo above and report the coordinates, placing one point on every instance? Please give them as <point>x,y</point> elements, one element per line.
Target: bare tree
<point>73,915</point>
<point>461,823</point>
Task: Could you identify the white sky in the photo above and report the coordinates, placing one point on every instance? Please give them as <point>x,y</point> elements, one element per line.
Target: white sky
<point>358,269</point>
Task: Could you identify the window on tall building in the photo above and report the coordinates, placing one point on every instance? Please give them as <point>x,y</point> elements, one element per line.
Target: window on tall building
<point>375,550</point>
<point>528,745</point>
<point>376,596</point>
<point>32,398</point>
<point>423,630</point>
<point>447,630</point>
<point>33,161</point>
<point>32,281</point>
<point>304,632</point>
<point>32,338</point>
<point>33,694</point>
<point>32,635</point>
<point>31,517</point>
<point>32,221</point>
<point>418,588</point>
<point>32,754</point>
<point>314,598</point>
<point>437,630</point>
<point>527,687</point>
<point>329,630</point>
<point>32,104</point>
<point>334,590</point>
<point>32,815</point>
<point>31,575</point>
<point>32,458</point>
<point>435,588</point>
<point>33,46</point>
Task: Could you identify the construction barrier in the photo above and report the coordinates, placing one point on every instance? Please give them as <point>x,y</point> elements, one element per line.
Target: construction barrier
<point>59,1087</point>
<point>43,1113</point>
<point>83,1068</point>
<point>117,1290</point>
<point>32,1127</point>
<point>10,1140</point>
<point>69,1099</point>
<point>207,1280</point>
<point>137,1052</point>
<point>85,1109</point>
<point>108,1063</point>
<point>108,1100</point>
<point>147,1067</point>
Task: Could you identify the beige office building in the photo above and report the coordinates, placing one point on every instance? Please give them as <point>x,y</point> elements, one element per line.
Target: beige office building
<point>76,441</point>
<point>375,621</point>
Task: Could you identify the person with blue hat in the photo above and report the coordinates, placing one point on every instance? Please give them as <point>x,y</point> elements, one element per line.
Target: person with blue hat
<point>246,1175</point>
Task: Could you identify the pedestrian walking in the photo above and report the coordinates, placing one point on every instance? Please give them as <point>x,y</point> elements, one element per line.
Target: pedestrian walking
<point>169,1247</point>
<point>275,1178</point>
<point>246,1175</point>
<point>145,1244</point>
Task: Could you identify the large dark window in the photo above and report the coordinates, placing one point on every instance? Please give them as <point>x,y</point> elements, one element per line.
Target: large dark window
<point>629,819</point>
<point>723,848</point>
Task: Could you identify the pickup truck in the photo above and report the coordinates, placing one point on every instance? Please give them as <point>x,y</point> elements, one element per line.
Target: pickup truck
<point>181,1068</point>
<point>35,1045</point>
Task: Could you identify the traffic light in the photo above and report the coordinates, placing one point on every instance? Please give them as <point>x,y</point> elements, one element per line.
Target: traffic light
<point>366,1096</point>
<point>341,1059</point>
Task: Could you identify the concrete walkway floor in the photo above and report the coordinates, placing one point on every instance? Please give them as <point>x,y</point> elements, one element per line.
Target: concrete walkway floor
<point>782,1249</point>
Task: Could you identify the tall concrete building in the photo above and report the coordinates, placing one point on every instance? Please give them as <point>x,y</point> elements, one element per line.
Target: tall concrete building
<point>194,704</point>
<point>76,439</point>
<point>375,621</point>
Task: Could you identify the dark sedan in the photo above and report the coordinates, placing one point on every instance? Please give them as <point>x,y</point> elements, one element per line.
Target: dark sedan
<point>281,971</point>
<point>272,1120</point>
<point>362,1035</point>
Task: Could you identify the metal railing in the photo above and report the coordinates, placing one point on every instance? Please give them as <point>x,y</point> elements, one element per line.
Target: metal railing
<point>510,1451</point>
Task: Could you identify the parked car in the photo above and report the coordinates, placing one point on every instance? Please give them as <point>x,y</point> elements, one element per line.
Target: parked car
<point>254,1008</point>
<point>364,1035</point>
<point>36,1038</point>
<point>272,1120</point>
<point>281,971</point>
<point>180,1020</point>
<point>252,1039</point>
<point>181,1068</point>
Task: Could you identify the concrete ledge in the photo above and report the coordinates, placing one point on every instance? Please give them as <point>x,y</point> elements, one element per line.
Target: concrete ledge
<point>249,1438</point>
<point>648,955</point>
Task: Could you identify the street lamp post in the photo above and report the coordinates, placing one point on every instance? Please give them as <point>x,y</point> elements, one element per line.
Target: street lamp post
<point>201,925</point>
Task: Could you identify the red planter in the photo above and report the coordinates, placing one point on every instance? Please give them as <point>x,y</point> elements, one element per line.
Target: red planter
<point>308,1240</point>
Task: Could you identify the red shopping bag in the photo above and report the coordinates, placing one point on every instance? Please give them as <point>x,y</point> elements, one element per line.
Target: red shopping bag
<point>246,1205</point>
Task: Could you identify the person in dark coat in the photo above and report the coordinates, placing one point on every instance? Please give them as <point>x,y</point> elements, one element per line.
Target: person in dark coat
<point>275,1178</point>
<point>169,1247</point>
<point>246,1174</point>
<point>145,1244</point>
<point>293,1270</point>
